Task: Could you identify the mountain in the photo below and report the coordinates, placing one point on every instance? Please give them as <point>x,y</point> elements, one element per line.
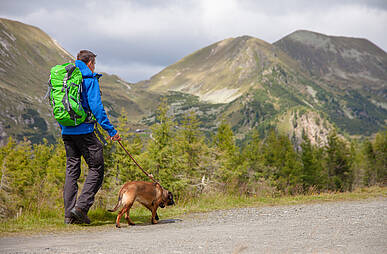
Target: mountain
<point>342,62</point>
<point>222,71</point>
<point>262,84</point>
<point>244,80</point>
<point>26,56</point>
<point>304,84</point>
<point>354,69</point>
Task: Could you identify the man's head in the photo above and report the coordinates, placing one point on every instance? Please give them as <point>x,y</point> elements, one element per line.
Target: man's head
<point>88,58</point>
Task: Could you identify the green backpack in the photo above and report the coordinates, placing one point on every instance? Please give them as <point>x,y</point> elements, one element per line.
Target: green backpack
<point>65,87</point>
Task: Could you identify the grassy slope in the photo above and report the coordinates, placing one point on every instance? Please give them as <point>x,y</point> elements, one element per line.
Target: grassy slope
<point>26,56</point>
<point>52,221</point>
<point>222,71</point>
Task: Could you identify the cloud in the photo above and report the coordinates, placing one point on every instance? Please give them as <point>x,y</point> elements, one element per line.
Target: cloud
<point>136,39</point>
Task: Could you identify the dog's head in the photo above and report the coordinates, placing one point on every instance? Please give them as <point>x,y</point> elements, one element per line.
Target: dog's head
<point>167,199</point>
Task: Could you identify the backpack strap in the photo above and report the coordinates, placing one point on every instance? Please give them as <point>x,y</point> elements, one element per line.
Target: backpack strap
<point>70,68</point>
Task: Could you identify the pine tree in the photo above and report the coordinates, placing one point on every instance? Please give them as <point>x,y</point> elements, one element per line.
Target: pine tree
<point>56,174</point>
<point>8,203</point>
<point>252,170</point>
<point>41,154</point>
<point>369,174</point>
<point>224,140</point>
<point>376,153</point>
<point>226,155</point>
<point>19,174</point>
<point>358,163</point>
<point>284,162</point>
<point>123,168</point>
<point>380,148</point>
<point>311,165</point>
<point>252,156</point>
<point>190,144</point>
<point>338,162</point>
<point>193,154</point>
<point>161,156</point>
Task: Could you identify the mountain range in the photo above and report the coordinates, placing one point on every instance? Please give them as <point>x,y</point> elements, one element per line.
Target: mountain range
<point>304,84</point>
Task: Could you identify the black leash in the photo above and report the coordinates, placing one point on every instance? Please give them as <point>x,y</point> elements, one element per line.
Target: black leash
<point>138,165</point>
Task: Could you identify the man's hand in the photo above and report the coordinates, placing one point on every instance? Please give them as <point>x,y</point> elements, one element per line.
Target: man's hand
<point>116,137</point>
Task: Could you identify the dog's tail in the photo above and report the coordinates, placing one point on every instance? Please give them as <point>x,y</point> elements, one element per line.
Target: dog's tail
<point>118,202</point>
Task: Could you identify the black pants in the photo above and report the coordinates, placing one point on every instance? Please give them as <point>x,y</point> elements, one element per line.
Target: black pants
<point>88,146</point>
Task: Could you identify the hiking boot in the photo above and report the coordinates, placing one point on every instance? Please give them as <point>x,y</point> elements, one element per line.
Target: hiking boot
<point>70,220</point>
<point>80,215</point>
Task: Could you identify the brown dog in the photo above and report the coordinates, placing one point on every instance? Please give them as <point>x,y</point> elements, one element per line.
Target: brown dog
<point>151,195</point>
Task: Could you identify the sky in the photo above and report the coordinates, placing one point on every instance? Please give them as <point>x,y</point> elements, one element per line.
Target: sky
<point>137,39</point>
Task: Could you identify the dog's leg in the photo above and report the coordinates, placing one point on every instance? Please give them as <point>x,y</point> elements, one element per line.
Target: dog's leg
<point>130,222</point>
<point>154,213</point>
<point>127,200</point>
<point>150,209</point>
<point>119,217</point>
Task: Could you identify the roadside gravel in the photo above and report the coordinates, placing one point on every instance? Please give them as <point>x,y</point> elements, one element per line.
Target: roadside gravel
<point>336,227</point>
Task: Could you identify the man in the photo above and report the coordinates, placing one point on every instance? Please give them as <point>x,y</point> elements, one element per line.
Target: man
<point>80,141</point>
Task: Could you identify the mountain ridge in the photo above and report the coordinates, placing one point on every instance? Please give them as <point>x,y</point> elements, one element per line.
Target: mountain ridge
<point>267,74</point>
<point>234,62</point>
<point>246,81</point>
<point>338,58</point>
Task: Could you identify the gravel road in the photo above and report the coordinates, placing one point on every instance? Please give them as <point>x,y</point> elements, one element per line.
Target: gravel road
<point>338,227</point>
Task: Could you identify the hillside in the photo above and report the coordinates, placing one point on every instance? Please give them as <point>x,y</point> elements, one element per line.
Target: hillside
<point>343,62</point>
<point>244,80</point>
<point>354,69</point>
<point>260,85</point>
<point>26,56</point>
<point>222,71</point>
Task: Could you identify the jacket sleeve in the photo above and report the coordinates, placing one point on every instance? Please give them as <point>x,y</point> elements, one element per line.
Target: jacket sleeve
<point>96,107</point>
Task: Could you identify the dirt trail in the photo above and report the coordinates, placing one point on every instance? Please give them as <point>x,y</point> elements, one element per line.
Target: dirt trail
<point>339,227</point>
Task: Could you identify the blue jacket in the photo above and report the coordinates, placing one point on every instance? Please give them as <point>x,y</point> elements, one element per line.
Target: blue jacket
<point>91,100</point>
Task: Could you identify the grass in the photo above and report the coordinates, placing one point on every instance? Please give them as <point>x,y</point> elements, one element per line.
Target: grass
<point>50,221</point>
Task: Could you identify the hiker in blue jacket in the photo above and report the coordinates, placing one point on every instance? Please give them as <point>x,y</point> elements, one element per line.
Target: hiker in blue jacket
<point>80,141</point>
